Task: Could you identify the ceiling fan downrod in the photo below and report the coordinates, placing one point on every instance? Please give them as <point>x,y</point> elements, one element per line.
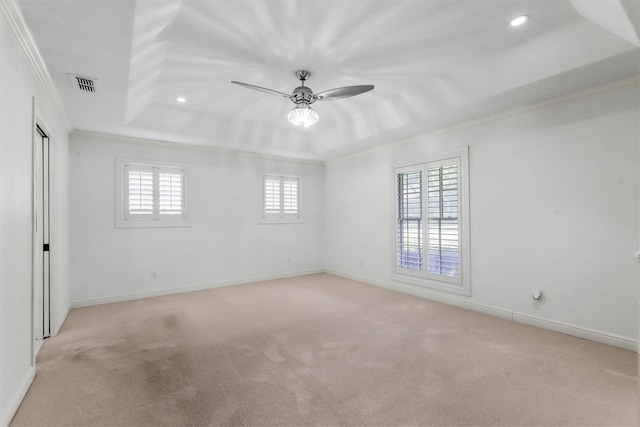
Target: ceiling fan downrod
<point>302,75</point>
<point>302,93</point>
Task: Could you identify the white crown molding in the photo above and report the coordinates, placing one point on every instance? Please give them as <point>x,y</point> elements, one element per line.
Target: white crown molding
<point>14,17</point>
<point>112,137</point>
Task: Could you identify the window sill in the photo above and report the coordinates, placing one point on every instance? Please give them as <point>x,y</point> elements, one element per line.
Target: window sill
<point>263,221</point>
<point>152,224</point>
<point>452,288</point>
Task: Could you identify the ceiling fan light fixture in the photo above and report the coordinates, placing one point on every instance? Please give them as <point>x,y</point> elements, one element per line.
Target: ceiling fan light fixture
<point>303,115</point>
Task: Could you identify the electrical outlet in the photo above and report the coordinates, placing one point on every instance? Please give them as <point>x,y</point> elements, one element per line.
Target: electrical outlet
<point>154,274</point>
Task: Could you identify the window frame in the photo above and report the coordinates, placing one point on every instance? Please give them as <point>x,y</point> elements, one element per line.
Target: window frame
<point>282,217</point>
<point>461,284</point>
<point>124,219</point>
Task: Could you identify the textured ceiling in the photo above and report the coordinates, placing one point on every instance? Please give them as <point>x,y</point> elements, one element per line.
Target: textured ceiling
<point>434,63</point>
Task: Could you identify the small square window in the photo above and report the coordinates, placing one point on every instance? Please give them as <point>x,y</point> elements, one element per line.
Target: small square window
<point>279,199</point>
<point>151,195</point>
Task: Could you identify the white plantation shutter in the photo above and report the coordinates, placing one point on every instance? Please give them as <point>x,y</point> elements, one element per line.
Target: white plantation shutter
<point>290,198</point>
<point>443,220</point>
<point>139,192</point>
<point>409,231</point>
<point>271,190</point>
<point>280,198</point>
<point>170,194</point>
<point>429,238</point>
<point>152,195</point>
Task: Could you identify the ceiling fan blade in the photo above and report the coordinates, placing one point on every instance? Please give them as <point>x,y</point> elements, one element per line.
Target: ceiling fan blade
<point>262,89</point>
<point>342,92</point>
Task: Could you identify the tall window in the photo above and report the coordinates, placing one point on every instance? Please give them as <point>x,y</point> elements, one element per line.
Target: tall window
<point>280,199</point>
<point>151,195</point>
<point>432,224</point>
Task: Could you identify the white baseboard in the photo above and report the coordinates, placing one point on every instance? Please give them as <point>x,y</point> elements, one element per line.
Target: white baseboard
<point>61,320</point>
<point>17,398</point>
<point>588,334</point>
<point>172,291</point>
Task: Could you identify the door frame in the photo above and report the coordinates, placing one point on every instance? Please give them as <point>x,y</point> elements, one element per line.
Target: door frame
<point>43,315</point>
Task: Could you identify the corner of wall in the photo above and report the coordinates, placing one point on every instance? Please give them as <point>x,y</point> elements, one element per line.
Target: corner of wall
<point>16,399</point>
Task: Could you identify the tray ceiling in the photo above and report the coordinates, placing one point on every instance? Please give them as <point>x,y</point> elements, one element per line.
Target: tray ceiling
<point>434,64</point>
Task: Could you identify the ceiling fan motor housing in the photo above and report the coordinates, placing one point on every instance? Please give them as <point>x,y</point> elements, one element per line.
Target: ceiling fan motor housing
<point>302,94</point>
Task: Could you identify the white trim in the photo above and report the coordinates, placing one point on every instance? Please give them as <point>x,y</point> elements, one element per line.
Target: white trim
<point>429,282</point>
<point>56,319</point>
<point>588,334</point>
<point>461,285</point>
<point>564,328</point>
<point>262,217</point>
<point>58,325</point>
<point>36,248</point>
<point>576,331</point>
<point>120,216</point>
<point>17,398</point>
<point>192,288</point>
<point>436,156</point>
<point>37,168</point>
<point>13,14</point>
<point>114,137</point>
<point>34,234</point>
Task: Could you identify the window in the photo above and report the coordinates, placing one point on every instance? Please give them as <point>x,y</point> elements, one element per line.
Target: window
<point>151,195</point>
<point>432,224</point>
<point>280,199</point>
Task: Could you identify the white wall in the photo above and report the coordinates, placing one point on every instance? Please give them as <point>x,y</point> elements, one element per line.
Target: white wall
<point>18,84</point>
<point>225,243</point>
<point>554,205</point>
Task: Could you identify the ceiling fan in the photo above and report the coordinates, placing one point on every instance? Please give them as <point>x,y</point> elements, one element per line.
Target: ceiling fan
<point>303,97</point>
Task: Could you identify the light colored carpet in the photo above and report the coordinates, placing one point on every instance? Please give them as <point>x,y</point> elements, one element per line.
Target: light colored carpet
<point>320,350</point>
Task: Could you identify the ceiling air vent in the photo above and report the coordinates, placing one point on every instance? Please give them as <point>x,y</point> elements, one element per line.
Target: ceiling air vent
<point>85,84</point>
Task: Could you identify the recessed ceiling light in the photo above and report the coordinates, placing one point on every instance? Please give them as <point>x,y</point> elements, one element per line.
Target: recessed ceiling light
<point>519,20</point>
<point>181,99</point>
